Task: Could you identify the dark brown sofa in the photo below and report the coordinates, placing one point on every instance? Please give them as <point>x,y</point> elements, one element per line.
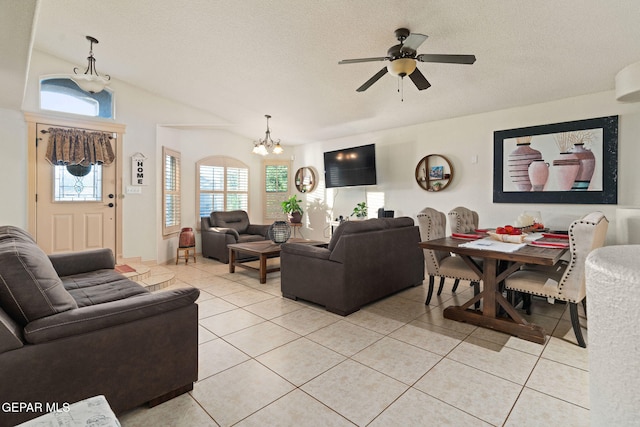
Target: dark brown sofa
<point>364,261</point>
<point>72,328</point>
<point>220,229</point>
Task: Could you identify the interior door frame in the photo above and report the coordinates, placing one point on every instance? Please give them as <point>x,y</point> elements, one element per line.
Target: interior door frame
<point>33,120</point>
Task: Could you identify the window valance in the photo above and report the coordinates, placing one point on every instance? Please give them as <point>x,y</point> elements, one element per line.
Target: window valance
<point>79,147</point>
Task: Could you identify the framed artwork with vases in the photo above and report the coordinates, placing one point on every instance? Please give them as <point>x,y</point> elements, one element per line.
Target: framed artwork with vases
<point>568,162</point>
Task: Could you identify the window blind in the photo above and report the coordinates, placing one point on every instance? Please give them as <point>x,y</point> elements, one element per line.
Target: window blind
<point>171,192</point>
<point>223,185</point>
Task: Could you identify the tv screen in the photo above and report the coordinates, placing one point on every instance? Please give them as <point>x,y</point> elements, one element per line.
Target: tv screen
<point>350,166</point>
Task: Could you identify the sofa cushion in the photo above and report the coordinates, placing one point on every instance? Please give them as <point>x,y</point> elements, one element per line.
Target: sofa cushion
<point>70,263</point>
<point>351,227</point>
<point>238,220</point>
<point>11,232</point>
<point>109,314</point>
<point>100,286</point>
<point>244,238</point>
<point>29,285</point>
<point>403,221</point>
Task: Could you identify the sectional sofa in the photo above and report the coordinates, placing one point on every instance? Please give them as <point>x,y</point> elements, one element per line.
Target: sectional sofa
<point>72,328</point>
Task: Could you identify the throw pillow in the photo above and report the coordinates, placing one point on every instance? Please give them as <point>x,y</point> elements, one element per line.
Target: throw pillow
<point>29,285</point>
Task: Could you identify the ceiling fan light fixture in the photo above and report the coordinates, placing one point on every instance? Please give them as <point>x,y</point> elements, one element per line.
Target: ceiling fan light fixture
<point>402,67</point>
<point>90,81</point>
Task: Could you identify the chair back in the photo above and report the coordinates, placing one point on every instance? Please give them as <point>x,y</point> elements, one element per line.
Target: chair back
<point>238,220</point>
<point>585,235</point>
<point>463,220</point>
<point>432,224</point>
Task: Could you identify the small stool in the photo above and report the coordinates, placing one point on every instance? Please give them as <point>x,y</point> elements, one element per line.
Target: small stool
<point>186,251</point>
<point>296,226</point>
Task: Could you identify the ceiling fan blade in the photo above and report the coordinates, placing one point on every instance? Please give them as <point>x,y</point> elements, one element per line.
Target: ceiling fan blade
<point>447,59</point>
<point>413,42</point>
<point>372,80</point>
<point>355,61</point>
<point>419,80</point>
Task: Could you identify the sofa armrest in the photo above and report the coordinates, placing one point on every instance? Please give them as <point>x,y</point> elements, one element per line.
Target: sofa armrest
<point>10,333</point>
<point>260,230</point>
<point>306,250</point>
<point>225,230</point>
<point>100,316</point>
<point>68,264</point>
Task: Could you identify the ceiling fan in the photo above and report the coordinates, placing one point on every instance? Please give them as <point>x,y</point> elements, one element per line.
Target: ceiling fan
<point>403,57</point>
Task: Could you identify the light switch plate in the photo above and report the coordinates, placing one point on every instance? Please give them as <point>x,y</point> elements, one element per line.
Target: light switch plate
<point>133,189</point>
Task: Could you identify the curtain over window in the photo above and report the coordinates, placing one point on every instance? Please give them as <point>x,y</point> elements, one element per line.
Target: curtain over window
<point>79,147</point>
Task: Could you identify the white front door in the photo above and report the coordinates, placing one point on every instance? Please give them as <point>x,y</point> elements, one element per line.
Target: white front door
<point>74,211</point>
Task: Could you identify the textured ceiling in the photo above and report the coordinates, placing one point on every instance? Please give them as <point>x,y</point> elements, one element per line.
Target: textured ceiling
<point>242,59</point>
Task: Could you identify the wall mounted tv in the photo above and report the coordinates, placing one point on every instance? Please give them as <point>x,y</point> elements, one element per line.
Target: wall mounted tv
<point>350,167</point>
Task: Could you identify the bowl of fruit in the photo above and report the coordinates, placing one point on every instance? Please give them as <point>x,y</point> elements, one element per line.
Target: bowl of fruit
<point>509,234</point>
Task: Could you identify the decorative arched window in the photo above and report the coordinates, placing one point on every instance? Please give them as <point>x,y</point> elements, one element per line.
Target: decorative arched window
<point>63,94</point>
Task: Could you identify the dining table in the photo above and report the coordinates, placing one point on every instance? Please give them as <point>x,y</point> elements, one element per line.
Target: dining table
<point>496,265</point>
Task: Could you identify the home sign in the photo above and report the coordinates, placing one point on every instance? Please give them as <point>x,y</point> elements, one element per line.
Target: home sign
<point>138,174</point>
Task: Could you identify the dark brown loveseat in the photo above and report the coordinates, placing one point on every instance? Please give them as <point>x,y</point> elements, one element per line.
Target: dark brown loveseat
<point>73,328</point>
<point>220,229</point>
<point>364,261</point>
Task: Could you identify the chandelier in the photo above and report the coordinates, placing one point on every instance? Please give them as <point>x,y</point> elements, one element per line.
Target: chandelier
<point>266,145</point>
<point>90,81</point>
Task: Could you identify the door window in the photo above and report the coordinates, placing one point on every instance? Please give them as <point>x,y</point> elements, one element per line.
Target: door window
<point>77,183</point>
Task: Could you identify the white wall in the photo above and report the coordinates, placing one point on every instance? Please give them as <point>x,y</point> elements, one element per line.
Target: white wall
<point>143,113</point>
<point>13,164</point>
<point>399,150</point>
<point>195,145</point>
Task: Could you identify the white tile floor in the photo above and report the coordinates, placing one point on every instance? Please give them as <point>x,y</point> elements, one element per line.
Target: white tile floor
<point>268,361</point>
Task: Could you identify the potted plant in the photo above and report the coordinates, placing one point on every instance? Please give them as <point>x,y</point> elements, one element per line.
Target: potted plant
<point>292,208</point>
<point>360,211</point>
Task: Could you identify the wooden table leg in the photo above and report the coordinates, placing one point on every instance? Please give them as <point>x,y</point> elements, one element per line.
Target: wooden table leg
<point>232,261</point>
<point>263,268</point>
<point>487,318</point>
<point>489,282</point>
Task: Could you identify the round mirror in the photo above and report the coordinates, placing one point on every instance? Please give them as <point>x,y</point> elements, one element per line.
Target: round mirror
<point>305,180</point>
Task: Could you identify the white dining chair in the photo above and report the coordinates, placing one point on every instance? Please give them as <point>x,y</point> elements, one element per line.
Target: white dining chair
<point>432,224</point>
<point>462,220</point>
<point>565,282</point>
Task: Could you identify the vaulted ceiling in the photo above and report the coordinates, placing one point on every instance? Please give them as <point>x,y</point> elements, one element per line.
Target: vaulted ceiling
<point>240,60</point>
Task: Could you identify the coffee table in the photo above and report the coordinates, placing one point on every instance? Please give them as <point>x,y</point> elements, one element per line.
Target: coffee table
<point>264,249</point>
